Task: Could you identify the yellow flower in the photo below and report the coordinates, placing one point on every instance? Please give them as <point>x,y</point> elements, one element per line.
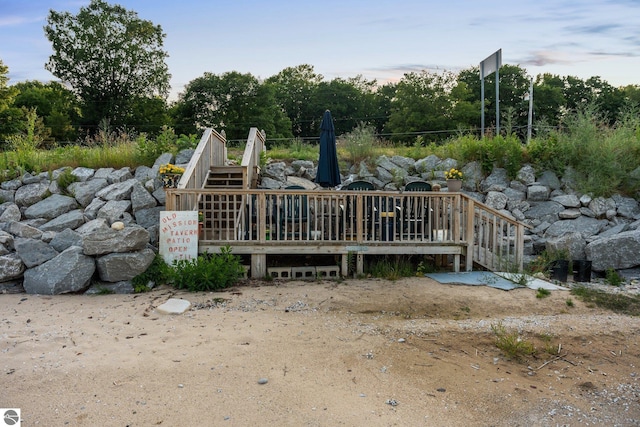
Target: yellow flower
<point>171,169</point>
<point>453,173</point>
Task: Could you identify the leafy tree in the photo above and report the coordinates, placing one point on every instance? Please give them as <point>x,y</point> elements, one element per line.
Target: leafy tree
<point>9,116</point>
<point>382,104</point>
<point>514,84</point>
<point>422,103</point>
<point>56,104</point>
<point>110,58</point>
<point>232,102</point>
<point>294,89</point>
<point>632,94</point>
<point>351,101</point>
<point>548,99</point>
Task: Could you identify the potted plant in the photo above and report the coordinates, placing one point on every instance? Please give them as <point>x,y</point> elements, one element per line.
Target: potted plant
<point>559,264</point>
<point>454,179</point>
<point>170,175</point>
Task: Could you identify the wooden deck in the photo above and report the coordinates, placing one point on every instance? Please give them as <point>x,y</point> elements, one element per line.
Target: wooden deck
<point>347,224</point>
<point>360,223</point>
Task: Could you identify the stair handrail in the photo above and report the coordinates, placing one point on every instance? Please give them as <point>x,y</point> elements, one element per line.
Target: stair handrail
<point>211,151</point>
<point>251,158</point>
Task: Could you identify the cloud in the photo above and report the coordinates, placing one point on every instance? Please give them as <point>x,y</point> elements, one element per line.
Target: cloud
<point>413,68</point>
<point>593,29</point>
<point>15,20</point>
<point>541,58</point>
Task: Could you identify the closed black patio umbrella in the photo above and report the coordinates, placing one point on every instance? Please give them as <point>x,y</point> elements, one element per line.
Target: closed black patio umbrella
<point>328,174</point>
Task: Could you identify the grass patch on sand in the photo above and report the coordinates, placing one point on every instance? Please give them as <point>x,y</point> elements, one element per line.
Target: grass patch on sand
<point>618,303</point>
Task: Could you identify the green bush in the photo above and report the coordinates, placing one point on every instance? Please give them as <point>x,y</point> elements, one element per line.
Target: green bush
<point>360,143</point>
<point>65,179</point>
<point>511,343</point>
<point>158,273</point>
<point>208,272</point>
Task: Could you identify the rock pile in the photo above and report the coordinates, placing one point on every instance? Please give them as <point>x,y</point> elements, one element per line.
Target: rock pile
<point>98,234</point>
<point>54,241</point>
<point>602,230</point>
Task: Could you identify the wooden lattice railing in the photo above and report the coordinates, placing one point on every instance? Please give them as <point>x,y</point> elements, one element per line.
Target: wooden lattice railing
<point>373,222</point>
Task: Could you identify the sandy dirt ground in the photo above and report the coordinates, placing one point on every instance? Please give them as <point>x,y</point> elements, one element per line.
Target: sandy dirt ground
<point>355,353</point>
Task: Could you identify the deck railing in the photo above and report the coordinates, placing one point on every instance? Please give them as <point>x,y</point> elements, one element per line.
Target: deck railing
<point>254,149</point>
<point>369,222</point>
<point>211,151</point>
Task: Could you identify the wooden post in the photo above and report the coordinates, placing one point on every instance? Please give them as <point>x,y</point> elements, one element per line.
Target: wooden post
<point>258,266</point>
<point>470,234</point>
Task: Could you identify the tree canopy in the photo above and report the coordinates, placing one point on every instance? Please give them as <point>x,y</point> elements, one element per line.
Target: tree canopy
<point>110,58</point>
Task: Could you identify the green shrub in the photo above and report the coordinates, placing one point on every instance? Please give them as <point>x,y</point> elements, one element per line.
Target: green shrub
<point>208,272</point>
<point>359,143</point>
<point>511,343</point>
<point>391,268</point>
<point>613,277</point>
<point>542,293</point>
<point>65,179</point>
<point>618,303</point>
<point>158,273</point>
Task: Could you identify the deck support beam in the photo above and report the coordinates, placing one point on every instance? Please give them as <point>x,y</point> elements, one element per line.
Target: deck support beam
<point>258,266</point>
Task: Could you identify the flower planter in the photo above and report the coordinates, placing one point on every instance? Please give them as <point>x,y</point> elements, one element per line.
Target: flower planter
<point>454,185</point>
<point>170,180</point>
<point>560,270</point>
<point>581,270</point>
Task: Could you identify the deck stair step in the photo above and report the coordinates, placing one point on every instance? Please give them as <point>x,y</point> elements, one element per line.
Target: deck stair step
<point>224,177</point>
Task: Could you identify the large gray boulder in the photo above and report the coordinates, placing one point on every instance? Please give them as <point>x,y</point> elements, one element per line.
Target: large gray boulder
<point>618,252</point>
<point>427,164</point>
<point>141,198</point>
<point>7,195</point>
<point>496,181</point>
<point>11,267</point>
<point>116,267</point>
<point>118,190</point>
<point>70,271</point>
<point>82,173</point>
<point>34,252</point>
<point>20,229</point>
<point>573,242</point>
<point>102,242</point>
<point>72,220</point>
<point>148,218</point>
<point>626,206</point>
<point>275,171</point>
<point>600,205</point>
<point>496,200</point>
<point>51,207</point>
<point>65,239</point>
<point>584,225</point>
<point>114,210</point>
<point>11,213</point>
<point>85,192</point>
<point>526,175</point>
<point>28,195</point>
<point>544,211</point>
<point>537,193</point>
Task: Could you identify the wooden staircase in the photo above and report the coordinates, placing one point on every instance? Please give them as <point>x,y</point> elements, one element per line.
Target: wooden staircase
<point>225,177</point>
<point>220,210</point>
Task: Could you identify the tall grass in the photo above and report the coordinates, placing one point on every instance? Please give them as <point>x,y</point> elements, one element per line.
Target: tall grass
<point>601,159</point>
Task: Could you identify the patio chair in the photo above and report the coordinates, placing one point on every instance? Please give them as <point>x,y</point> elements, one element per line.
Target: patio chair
<point>416,210</point>
<point>369,210</point>
<point>252,214</point>
<point>294,214</point>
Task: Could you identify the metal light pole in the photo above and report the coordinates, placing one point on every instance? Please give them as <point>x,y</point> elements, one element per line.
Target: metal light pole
<point>529,96</point>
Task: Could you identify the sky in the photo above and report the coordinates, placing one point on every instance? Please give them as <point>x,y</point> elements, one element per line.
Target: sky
<point>379,40</point>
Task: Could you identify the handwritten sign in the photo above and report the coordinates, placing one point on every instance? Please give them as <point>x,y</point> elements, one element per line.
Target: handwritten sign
<point>178,235</point>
